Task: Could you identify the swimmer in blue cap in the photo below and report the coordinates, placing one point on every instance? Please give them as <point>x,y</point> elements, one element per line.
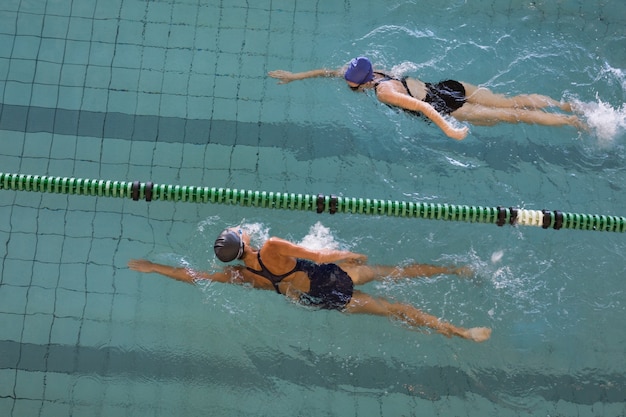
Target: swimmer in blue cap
<point>321,279</point>
<point>465,102</point>
<point>359,71</point>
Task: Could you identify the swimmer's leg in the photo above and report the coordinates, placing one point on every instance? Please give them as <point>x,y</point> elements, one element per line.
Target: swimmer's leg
<point>485,97</point>
<point>362,274</point>
<point>489,116</point>
<point>362,303</point>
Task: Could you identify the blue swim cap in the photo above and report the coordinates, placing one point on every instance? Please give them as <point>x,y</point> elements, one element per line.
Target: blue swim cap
<point>359,71</point>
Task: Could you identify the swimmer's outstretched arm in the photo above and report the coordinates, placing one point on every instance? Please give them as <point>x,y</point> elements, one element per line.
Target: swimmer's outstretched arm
<point>230,274</point>
<point>285,77</point>
<point>393,98</point>
<point>187,275</point>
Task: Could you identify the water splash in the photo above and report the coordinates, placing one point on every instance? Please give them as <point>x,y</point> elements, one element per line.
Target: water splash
<point>605,121</point>
<point>497,256</point>
<point>207,223</point>
<point>319,237</point>
<point>258,232</point>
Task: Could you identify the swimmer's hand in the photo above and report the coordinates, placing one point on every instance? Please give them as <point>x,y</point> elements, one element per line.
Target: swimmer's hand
<point>458,133</point>
<point>477,334</point>
<point>141,265</point>
<point>284,77</point>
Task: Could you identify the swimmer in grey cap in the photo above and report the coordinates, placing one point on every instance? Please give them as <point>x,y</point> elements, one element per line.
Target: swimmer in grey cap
<point>229,245</point>
<point>465,102</point>
<point>322,279</point>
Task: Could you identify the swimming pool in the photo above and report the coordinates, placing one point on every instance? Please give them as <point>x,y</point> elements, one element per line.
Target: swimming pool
<point>175,92</point>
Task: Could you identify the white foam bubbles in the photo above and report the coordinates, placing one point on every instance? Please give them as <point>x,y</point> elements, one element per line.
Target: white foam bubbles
<point>319,237</point>
<point>258,232</point>
<point>497,256</point>
<point>605,121</point>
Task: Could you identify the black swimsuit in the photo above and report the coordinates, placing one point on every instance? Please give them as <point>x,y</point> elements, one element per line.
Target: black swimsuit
<point>390,78</point>
<point>331,287</point>
<point>445,96</point>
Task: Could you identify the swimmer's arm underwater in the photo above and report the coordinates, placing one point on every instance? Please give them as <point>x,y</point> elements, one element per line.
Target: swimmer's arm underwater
<point>285,77</point>
<point>393,98</point>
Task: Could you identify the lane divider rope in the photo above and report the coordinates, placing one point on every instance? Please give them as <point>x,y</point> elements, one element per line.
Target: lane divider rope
<point>149,191</point>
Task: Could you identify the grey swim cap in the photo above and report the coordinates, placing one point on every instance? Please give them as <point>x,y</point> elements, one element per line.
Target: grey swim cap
<point>228,246</point>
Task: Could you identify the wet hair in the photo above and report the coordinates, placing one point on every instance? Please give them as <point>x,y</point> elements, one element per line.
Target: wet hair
<point>229,246</point>
<point>359,71</point>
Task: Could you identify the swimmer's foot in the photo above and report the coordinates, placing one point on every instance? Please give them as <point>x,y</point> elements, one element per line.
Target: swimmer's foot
<point>477,334</point>
<point>464,272</point>
<point>565,106</point>
<point>578,124</point>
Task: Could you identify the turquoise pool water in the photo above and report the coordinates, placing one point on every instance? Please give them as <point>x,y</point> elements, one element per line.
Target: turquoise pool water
<point>176,92</point>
